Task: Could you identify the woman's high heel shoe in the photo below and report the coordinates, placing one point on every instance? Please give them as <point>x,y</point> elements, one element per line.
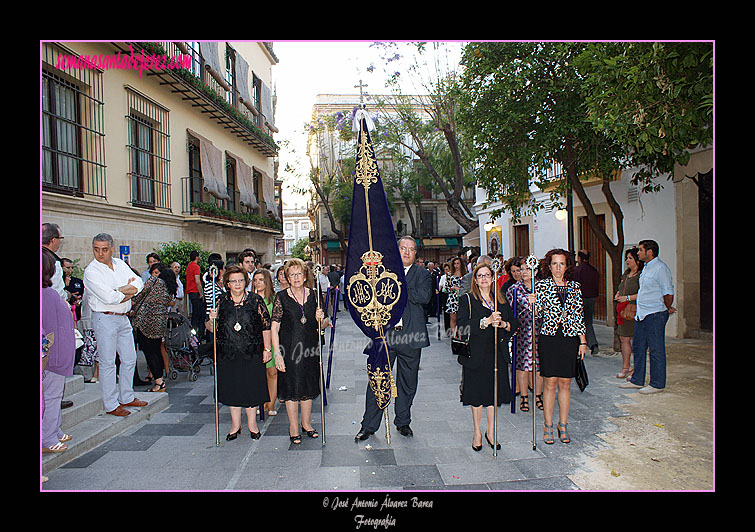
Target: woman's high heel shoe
<point>565,438</point>
<point>233,436</point>
<point>255,435</point>
<point>477,448</point>
<point>548,435</point>
<point>497,445</point>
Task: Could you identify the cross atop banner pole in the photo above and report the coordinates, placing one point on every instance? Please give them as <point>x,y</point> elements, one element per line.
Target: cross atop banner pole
<point>361,93</point>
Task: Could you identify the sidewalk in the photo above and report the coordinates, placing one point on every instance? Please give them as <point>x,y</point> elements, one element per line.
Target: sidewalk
<point>620,440</point>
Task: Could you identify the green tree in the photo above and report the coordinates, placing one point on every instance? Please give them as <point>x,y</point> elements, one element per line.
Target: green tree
<point>180,252</point>
<point>655,99</point>
<point>523,110</point>
<point>299,251</point>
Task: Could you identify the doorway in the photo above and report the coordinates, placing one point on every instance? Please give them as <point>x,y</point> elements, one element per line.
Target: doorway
<point>590,242</point>
<point>521,241</point>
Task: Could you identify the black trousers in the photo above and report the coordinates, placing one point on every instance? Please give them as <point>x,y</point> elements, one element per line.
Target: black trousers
<point>198,312</point>
<point>405,374</point>
<point>153,353</point>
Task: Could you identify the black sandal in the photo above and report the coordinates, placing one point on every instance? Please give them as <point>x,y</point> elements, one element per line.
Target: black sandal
<point>311,433</point>
<point>296,439</point>
<point>539,401</point>
<point>524,404</point>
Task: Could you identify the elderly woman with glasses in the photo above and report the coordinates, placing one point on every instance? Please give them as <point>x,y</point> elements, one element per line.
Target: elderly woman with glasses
<point>480,317</point>
<point>242,326</point>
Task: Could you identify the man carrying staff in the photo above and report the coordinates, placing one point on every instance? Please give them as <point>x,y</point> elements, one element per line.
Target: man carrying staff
<point>405,343</point>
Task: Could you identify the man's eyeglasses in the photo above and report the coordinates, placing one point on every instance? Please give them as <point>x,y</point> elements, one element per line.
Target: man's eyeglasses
<point>402,249</point>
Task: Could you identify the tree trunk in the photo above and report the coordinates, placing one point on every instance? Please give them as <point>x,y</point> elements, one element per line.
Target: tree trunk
<point>333,225</point>
<point>614,250</point>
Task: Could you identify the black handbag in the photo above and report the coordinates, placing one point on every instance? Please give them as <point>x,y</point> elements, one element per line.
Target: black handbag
<point>581,375</point>
<point>460,344</point>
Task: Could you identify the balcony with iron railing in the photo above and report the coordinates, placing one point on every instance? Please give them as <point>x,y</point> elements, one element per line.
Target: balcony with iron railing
<point>211,95</point>
<point>200,206</point>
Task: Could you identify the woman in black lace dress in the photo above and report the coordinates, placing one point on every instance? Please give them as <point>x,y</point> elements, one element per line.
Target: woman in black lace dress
<point>294,331</point>
<point>243,347</point>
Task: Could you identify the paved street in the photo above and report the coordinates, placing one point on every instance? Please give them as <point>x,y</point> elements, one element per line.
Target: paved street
<point>175,448</point>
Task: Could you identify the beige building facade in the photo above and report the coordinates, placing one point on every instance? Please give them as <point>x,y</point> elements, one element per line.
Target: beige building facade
<point>159,142</point>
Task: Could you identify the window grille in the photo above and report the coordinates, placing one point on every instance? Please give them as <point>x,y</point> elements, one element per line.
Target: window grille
<point>73,138</point>
<point>149,152</point>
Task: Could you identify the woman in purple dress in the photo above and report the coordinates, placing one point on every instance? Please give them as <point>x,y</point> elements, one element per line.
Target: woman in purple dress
<point>58,320</point>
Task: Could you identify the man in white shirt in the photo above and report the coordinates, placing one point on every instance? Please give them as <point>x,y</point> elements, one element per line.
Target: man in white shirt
<point>111,284</point>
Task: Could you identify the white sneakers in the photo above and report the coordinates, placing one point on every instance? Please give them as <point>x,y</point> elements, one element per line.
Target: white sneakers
<point>643,389</point>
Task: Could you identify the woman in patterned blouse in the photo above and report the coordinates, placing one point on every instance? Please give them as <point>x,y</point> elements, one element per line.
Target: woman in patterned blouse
<point>151,317</point>
<point>562,335</point>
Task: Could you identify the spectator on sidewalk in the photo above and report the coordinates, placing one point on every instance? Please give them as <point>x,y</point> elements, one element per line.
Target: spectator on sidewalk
<point>57,326</point>
<point>176,267</point>
<point>111,284</point>
<point>588,278</point>
<point>151,307</point>
<point>52,239</point>
<point>73,285</point>
<point>627,292</point>
<point>152,258</point>
<point>654,301</point>
<point>194,291</point>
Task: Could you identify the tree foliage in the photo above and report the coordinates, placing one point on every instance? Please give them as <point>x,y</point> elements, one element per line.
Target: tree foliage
<point>180,252</point>
<point>654,99</point>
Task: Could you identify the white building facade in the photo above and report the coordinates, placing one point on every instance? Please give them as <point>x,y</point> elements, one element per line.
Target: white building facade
<point>678,217</point>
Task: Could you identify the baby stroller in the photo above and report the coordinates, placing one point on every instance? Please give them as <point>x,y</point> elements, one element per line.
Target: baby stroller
<point>182,346</point>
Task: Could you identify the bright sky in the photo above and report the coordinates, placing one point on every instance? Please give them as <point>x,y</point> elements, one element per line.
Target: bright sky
<point>304,70</point>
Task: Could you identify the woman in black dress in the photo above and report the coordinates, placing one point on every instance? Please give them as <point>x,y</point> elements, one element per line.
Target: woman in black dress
<point>562,335</point>
<point>294,333</point>
<point>477,315</point>
<point>243,346</point>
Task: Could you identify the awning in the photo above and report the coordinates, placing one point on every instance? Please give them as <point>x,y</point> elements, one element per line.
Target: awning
<point>472,238</point>
<point>433,242</point>
<point>244,181</point>
<point>440,242</point>
<point>333,244</point>
<point>211,162</point>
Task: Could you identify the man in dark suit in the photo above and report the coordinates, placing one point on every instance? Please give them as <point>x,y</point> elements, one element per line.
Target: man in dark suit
<point>405,343</point>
